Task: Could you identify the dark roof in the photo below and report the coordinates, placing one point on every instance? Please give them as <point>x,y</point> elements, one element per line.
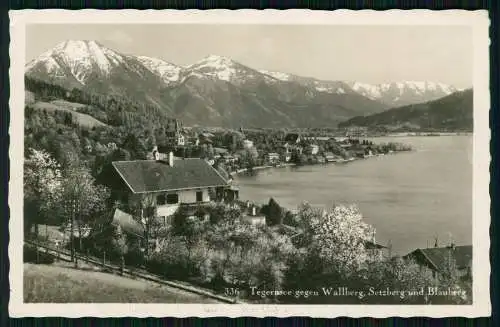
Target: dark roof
<point>292,137</point>
<point>220,150</point>
<point>144,176</point>
<point>436,257</point>
<point>207,134</point>
<point>374,245</point>
<point>223,173</point>
<point>127,223</point>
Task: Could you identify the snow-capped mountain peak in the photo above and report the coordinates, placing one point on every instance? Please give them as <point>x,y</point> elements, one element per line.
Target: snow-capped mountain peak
<point>168,72</point>
<point>81,57</point>
<point>222,68</point>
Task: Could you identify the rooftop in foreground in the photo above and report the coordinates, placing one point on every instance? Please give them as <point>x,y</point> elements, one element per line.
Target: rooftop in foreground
<point>143,176</point>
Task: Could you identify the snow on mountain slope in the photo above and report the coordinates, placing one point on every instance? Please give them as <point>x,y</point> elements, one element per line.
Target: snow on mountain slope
<point>403,93</point>
<point>333,87</point>
<point>224,69</point>
<point>215,80</point>
<point>215,66</point>
<point>80,58</point>
<point>367,90</point>
<point>169,73</point>
<point>277,75</point>
<point>392,94</point>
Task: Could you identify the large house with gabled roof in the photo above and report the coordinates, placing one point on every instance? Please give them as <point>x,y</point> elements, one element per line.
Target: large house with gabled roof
<point>166,185</point>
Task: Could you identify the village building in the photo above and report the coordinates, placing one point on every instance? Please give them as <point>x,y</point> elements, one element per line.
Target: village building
<point>227,159</point>
<point>291,145</point>
<point>252,216</point>
<point>180,139</point>
<point>320,159</point>
<point>194,140</point>
<point>292,139</point>
<point>174,133</point>
<point>317,138</point>
<point>356,132</point>
<point>286,156</point>
<point>272,158</point>
<point>169,185</point>
<point>330,157</point>
<point>313,149</point>
<point>220,152</point>
<point>376,250</point>
<point>205,138</point>
<point>435,259</point>
<point>247,144</point>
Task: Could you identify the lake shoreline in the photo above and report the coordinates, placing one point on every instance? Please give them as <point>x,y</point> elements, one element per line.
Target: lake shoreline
<point>409,198</point>
<point>343,161</point>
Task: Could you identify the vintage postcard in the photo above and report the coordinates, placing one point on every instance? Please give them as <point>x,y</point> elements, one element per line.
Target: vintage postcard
<point>249,163</point>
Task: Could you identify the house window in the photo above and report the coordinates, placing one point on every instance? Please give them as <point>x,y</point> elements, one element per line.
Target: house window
<point>199,196</point>
<point>160,199</point>
<point>172,198</point>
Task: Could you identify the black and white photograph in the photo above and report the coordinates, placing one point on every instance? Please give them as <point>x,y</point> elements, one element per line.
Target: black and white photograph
<point>234,163</point>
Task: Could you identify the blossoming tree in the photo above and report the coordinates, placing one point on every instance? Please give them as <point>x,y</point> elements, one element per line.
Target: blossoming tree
<point>42,185</point>
<point>339,237</point>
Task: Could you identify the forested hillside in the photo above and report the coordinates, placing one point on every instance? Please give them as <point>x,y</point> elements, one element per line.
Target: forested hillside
<point>451,113</point>
<point>110,109</point>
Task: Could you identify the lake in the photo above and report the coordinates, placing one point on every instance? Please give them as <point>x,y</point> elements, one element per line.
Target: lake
<point>409,197</point>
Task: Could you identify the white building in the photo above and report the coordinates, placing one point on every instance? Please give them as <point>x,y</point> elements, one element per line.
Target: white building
<point>313,149</point>
<point>247,144</point>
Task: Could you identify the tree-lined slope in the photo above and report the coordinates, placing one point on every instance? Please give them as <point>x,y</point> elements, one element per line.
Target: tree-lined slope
<point>451,113</point>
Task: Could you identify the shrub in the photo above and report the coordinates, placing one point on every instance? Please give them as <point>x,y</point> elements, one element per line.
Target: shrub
<point>273,212</point>
<point>172,261</point>
<point>30,255</point>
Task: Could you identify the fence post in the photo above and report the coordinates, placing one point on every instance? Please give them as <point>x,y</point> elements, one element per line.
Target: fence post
<point>87,258</point>
<point>104,259</point>
<point>37,254</point>
<point>122,266</point>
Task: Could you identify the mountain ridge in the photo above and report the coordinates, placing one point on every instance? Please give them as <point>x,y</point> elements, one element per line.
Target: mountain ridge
<point>197,92</point>
<point>450,113</point>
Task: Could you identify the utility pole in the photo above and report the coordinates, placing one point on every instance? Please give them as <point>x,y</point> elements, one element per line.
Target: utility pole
<point>72,230</point>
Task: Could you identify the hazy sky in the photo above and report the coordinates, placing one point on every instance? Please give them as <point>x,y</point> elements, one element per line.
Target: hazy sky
<point>371,54</point>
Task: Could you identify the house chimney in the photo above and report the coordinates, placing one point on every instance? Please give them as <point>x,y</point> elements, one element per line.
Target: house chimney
<point>171,159</point>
